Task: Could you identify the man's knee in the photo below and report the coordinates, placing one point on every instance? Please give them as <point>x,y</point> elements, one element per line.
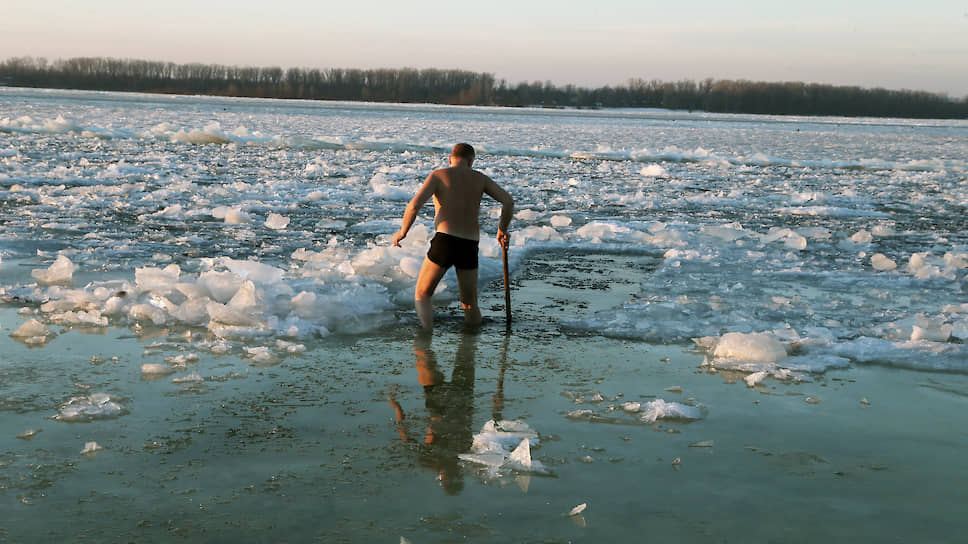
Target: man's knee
<point>424,291</point>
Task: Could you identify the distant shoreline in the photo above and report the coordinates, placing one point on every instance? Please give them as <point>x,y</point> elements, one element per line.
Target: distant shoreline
<point>461,87</point>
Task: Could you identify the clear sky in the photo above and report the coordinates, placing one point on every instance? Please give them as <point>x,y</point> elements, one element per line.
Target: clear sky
<point>898,44</point>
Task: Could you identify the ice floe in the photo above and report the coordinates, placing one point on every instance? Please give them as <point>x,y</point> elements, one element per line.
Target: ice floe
<point>638,412</point>
<point>60,271</point>
<point>760,355</point>
<point>191,378</point>
<point>505,446</point>
<point>90,407</point>
<point>155,369</point>
<point>654,410</point>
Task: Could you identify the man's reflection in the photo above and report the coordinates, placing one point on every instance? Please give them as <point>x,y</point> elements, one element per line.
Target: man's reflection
<point>450,406</point>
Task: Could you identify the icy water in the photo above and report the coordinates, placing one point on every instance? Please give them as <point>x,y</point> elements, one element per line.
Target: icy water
<point>726,328</point>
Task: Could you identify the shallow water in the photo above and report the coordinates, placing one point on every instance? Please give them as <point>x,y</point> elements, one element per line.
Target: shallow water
<point>310,449</point>
<point>637,231</point>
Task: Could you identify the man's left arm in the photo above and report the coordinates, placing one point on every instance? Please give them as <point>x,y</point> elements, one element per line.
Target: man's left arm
<point>507,210</point>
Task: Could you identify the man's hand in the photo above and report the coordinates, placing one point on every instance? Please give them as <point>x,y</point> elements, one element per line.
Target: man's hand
<point>503,238</point>
<point>400,235</point>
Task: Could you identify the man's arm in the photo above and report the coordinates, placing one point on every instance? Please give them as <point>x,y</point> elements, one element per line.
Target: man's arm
<point>507,210</point>
<point>410,214</point>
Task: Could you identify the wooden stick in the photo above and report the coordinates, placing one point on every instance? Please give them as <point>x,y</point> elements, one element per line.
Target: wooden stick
<point>507,290</point>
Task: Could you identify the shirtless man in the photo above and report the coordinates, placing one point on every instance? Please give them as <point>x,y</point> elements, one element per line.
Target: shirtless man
<point>457,193</point>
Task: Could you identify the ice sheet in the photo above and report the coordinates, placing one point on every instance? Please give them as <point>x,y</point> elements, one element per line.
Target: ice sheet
<point>274,219</point>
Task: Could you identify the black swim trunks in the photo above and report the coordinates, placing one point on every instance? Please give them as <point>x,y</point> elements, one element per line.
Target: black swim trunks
<point>447,251</point>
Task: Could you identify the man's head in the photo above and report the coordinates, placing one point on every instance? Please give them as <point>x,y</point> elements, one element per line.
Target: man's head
<point>462,151</point>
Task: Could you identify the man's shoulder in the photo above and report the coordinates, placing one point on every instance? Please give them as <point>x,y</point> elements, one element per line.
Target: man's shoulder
<point>443,173</point>
<point>480,175</point>
<point>458,172</point>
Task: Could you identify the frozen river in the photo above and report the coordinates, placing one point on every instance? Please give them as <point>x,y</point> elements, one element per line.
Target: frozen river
<point>205,287</point>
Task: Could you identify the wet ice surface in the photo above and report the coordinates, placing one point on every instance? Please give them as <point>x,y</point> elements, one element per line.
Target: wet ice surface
<point>204,289</point>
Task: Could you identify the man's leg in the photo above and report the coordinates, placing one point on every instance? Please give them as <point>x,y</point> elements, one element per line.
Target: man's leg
<point>467,284</point>
<point>430,275</point>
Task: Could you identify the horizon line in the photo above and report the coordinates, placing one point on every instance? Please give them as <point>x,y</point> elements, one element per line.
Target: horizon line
<point>626,82</point>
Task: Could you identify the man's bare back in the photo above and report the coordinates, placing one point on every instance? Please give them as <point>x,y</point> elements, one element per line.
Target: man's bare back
<point>457,200</point>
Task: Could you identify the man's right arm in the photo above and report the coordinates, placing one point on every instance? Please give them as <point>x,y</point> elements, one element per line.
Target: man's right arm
<point>410,214</point>
<point>507,210</point>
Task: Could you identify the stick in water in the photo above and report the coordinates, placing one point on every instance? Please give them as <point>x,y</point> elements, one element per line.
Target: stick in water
<point>507,290</point>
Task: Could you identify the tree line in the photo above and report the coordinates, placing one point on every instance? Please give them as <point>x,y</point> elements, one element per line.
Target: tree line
<point>472,88</point>
<point>381,85</point>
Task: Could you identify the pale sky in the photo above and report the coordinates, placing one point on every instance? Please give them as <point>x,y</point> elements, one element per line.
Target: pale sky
<point>897,44</point>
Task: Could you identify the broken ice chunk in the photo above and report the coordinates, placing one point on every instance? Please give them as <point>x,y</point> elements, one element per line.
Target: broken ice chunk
<point>221,285</point>
<point>60,271</point>
<point>559,221</point>
<point>236,216</point>
<point>182,360</point>
<point>493,460</point>
<point>32,329</point>
<point>148,312</point>
<point>791,239</point>
<point>660,409</point>
<point>95,406</point>
<point>756,378</point>
<point>757,346</point>
<point>521,456</point>
<point>861,237</point>
<point>931,330</point>
<point>248,298</point>
<point>223,315</point>
<point>882,230</point>
<point>502,436</point>
<point>290,347</point>
<point>260,355</point>
<point>160,280</point>
<point>580,414</point>
<point>410,266</point>
<point>155,369</point>
<point>632,407</point>
<point>194,377</point>
<point>492,447</point>
<point>277,222</point>
<point>881,262</point>
<point>28,434</point>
